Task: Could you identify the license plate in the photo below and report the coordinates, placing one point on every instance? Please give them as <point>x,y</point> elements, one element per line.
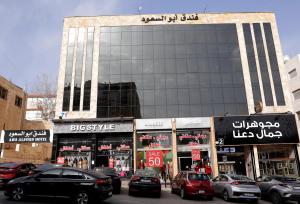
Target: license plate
<point>249,194</point>
<point>201,192</point>
<point>145,181</point>
<point>110,193</point>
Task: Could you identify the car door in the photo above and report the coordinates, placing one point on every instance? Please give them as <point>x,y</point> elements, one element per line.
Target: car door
<point>216,184</point>
<point>222,183</point>
<point>72,182</point>
<point>22,170</point>
<point>175,181</point>
<point>265,184</point>
<point>45,183</point>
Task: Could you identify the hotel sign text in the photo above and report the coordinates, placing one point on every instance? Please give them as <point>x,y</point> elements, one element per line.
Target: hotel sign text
<point>172,18</point>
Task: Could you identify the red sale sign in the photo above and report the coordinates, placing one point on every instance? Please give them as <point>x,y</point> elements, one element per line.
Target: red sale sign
<point>60,160</point>
<point>154,158</point>
<point>196,155</point>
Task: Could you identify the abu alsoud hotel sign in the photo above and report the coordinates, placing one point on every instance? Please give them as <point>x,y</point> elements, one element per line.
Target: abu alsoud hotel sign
<point>171,18</point>
<point>256,129</point>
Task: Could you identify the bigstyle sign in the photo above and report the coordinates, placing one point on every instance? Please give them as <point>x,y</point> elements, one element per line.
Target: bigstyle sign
<point>29,136</point>
<point>256,129</point>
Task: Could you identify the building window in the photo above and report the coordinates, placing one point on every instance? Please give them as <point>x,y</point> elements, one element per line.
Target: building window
<point>296,94</point>
<point>3,93</point>
<point>293,73</point>
<point>18,101</point>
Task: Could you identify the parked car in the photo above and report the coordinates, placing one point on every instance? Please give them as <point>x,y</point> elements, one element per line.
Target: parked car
<point>111,172</point>
<point>11,170</point>
<point>231,186</point>
<point>145,181</point>
<point>279,188</point>
<point>192,184</point>
<point>78,185</point>
<point>44,167</point>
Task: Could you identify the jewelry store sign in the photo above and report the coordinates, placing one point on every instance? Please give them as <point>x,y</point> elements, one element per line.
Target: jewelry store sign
<point>256,129</point>
<point>93,127</point>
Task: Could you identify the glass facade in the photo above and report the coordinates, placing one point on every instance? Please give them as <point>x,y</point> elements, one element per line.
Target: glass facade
<point>170,71</point>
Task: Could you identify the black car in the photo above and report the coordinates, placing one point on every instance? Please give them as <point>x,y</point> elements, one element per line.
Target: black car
<point>12,170</point>
<point>44,167</point>
<point>111,172</point>
<point>145,181</point>
<point>78,185</point>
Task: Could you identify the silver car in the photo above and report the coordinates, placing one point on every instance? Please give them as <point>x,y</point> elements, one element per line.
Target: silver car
<point>279,188</point>
<point>231,186</point>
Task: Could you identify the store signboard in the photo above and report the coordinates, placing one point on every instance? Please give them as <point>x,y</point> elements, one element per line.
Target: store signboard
<point>155,140</point>
<point>92,127</point>
<point>154,158</point>
<point>193,137</point>
<point>26,136</point>
<point>188,123</point>
<point>153,124</point>
<point>256,129</point>
<point>196,156</point>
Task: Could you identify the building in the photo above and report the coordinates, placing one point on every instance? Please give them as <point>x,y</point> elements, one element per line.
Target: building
<point>14,127</point>
<point>40,107</point>
<point>148,89</point>
<point>292,69</point>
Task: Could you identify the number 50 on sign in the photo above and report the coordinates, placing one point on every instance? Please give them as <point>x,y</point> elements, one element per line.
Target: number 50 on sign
<point>154,158</point>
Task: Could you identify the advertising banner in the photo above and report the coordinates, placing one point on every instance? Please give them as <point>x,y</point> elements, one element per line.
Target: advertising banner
<point>154,158</point>
<point>256,129</point>
<point>196,155</point>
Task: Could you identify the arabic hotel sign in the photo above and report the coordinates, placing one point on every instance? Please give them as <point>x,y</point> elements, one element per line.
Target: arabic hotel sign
<point>26,136</point>
<point>256,129</point>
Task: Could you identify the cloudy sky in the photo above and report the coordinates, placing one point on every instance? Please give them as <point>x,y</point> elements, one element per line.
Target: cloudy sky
<point>31,30</point>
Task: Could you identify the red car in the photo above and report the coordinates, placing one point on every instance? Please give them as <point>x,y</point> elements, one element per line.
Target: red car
<point>192,184</point>
<point>11,170</point>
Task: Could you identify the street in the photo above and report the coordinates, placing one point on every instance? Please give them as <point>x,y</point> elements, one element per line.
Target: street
<point>123,198</point>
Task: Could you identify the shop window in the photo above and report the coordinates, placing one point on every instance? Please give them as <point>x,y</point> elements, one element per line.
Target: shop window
<point>3,93</point>
<point>18,101</point>
<point>281,160</point>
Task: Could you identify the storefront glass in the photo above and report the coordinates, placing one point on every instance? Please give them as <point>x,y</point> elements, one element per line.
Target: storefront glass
<point>159,141</point>
<point>277,160</point>
<point>189,140</point>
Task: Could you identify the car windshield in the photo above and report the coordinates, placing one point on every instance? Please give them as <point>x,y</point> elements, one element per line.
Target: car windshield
<point>48,166</point>
<point>146,173</point>
<point>240,177</point>
<point>8,165</point>
<point>106,171</point>
<point>198,177</point>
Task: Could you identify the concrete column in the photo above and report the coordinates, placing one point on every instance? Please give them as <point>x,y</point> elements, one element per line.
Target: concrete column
<point>256,161</point>
<point>174,148</point>
<point>213,149</point>
<point>134,146</point>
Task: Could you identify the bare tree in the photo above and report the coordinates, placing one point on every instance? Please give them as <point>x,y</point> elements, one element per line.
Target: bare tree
<point>43,92</point>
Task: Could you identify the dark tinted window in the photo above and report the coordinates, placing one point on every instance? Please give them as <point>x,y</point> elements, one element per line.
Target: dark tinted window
<point>69,174</point>
<point>263,65</point>
<point>252,63</point>
<point>54,173</point>
<point>198,177</point>
<point>9,165</point>
<point>274,64</point>
<point>3,93</point>
<point>170,71</point>
<point>146,173</point>
<point>106,171</point>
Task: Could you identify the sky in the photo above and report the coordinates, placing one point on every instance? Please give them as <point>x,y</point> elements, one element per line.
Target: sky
<point>31,30</point>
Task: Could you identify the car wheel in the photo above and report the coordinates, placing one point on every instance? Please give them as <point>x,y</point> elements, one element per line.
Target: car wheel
<point>182,193</point>
<point>276,198</point>
<point>226,195</point>
<point>82,198</point>
<point>17,193</point>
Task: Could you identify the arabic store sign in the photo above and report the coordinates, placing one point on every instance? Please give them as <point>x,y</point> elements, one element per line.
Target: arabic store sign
<point>171,18</point>
<point>30,136</point>
<point>256,129</point>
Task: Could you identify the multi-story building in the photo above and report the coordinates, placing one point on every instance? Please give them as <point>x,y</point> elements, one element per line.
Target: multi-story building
<point>137,87</point>
<point>14,128</point>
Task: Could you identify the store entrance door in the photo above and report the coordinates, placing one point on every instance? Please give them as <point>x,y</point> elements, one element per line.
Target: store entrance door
<point>103,161</point>
<point>185,163</point>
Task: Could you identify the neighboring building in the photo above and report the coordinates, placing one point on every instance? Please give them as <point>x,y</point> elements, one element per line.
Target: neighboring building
<point>293,71</point>
<point>129,85</point>
<point>13,125</point>
<point>40,107</point>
